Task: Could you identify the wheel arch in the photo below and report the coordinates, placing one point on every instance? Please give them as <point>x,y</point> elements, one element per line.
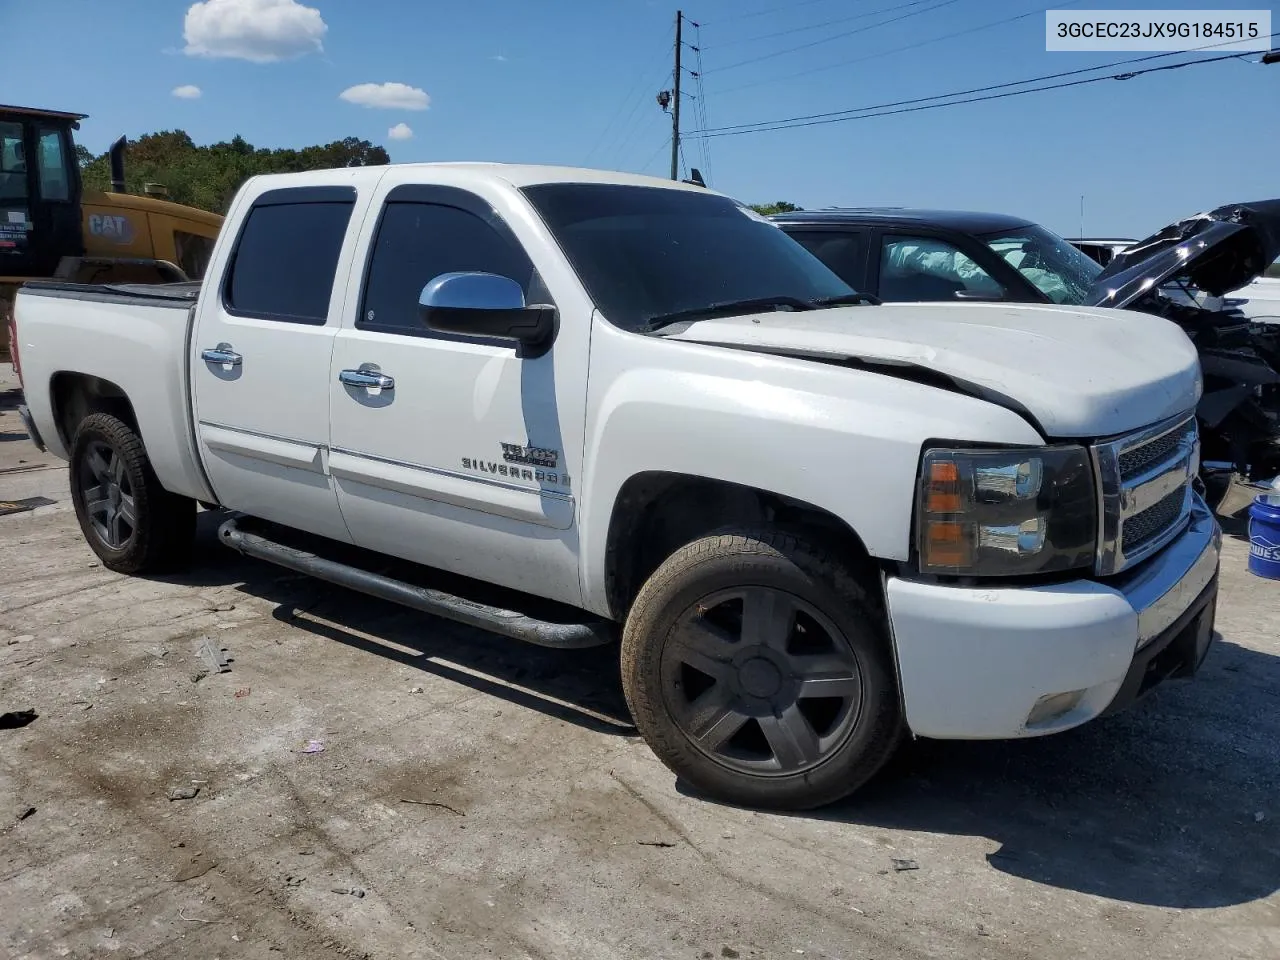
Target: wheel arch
<point>656,512</point>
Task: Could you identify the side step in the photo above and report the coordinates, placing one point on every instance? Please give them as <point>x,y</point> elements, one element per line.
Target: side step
<point>508,623</point>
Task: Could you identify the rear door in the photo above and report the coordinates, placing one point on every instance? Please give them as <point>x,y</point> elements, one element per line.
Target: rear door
<point>260,355</point>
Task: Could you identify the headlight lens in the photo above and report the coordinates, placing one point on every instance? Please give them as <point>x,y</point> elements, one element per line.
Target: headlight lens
<point>997,513</point>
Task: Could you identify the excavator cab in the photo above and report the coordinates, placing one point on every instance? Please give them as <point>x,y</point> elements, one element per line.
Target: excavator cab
<point>51,227</point>
<point>40,192</point>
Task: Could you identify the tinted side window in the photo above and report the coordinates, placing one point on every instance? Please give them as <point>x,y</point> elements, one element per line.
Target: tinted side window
<point>416,242</point>
<point>843,253</point>
<point>926,268</point>
<point>285,260</point>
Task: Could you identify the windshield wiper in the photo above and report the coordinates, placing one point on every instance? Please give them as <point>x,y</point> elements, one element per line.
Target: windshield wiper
<point>726,308</point>
<point>848,298</point>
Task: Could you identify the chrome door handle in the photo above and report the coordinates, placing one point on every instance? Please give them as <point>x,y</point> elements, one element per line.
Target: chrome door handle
<point>222,353</point>
<point>366,378</point>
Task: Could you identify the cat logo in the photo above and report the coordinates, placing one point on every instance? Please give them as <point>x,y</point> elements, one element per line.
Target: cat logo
<point>111,227</point>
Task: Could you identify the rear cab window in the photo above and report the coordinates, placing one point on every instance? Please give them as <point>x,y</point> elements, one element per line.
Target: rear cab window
<point>286,257</point>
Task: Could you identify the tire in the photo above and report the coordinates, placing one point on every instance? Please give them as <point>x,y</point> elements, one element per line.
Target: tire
<point>129,520</point>
<point>793,717</point>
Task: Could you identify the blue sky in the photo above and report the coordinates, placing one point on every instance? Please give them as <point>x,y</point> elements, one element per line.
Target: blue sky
<point>574,82</point>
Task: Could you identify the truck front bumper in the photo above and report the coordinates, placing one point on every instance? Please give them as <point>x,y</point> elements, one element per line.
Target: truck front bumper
<point>1005,662</point>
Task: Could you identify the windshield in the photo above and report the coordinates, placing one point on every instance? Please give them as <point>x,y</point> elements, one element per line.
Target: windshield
<point>1061,272</point>
<point>650,252</point>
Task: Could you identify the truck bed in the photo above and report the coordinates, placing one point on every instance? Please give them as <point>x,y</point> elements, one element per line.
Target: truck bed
<point>130,339</point>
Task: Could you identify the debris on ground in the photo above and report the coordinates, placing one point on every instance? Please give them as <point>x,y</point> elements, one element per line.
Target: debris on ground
<point>183,793</point>
<point>21,506</point>
<point>16,718</point>
<point>415,690</point>
<point>241,694</point>
<point>1259,817</point>
<point>196,866</point>
<point>655,843</point>
<point>221,607</point>
<point>26,812</point>
<point>901,865</point>
<point>214,656</point>
<point>292,881</point>
<point>24,638</point>
<point>348,891</point>
<point>433,803</point>
<point>729,952</point>
<point>312,746</point>
<point>198,675</point>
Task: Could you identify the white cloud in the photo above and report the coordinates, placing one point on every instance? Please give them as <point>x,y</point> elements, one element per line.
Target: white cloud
<point>187,91</point>
<point>499,57</point>
<point>401,131</point>
<point>261,31</point>
<point>386,96</point>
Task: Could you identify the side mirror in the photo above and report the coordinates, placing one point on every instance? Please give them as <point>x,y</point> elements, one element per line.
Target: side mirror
<point>487,305</point>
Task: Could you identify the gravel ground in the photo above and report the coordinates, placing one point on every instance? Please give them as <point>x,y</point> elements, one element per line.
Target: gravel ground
<point>478,798</point>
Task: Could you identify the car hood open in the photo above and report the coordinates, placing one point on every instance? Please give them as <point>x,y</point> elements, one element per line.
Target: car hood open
<point>1073,371</point>
<point>1216,252</point>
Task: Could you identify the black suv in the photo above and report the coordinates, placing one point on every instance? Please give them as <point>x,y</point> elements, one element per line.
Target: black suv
<point>903,254</point>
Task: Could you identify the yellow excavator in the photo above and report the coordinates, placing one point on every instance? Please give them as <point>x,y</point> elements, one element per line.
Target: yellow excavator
<point>50,227</point>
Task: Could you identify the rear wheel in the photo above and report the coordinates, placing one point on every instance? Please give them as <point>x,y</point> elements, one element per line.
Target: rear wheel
<point>759,670</point>
<point>128,519</point>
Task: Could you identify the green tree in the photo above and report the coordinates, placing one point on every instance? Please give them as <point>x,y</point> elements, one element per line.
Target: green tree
<point>208,177</point>
<point>768,209</point>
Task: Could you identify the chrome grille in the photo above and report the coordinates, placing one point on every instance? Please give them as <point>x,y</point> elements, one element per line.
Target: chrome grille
<point>1145,482</point>
<point>1141,528</point>
<point>1136,460</point>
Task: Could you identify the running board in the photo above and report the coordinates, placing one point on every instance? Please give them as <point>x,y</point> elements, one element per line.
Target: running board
<point>508,623</point>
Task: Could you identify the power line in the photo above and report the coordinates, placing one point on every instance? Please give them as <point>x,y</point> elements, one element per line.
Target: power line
<point>857,114</point>
<point>640,87</point>
<point>996,86</point>
<point>834,36</point>
<point>653,156</point>
<point>761,13</point>
<point>813,26</point>
<point>703,119</point>
<point>903,49</point>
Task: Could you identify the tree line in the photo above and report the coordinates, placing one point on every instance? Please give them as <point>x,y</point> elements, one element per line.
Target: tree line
<point>207,177</point>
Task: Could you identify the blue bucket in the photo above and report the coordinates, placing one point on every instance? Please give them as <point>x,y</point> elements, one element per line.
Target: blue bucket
<point>1264,539</point>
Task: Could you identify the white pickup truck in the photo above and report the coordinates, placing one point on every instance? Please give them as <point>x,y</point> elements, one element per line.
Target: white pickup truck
<point>818,524</point>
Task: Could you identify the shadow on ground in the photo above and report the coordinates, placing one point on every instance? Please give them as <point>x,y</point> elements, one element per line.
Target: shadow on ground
<point>1174,803</point>
<point>1171,804</point>
<point>578,686</point>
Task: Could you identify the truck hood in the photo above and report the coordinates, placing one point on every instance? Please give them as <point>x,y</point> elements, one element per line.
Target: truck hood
<point>1216,252</point>
<point>1073,371</point>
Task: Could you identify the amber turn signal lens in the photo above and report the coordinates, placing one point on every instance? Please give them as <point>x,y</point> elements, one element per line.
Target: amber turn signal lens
<point>943,492</point>
<point>946,544</point>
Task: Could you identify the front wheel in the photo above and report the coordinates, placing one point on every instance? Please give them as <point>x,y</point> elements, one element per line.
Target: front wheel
<point>129,520</point>
<point>759,670</point>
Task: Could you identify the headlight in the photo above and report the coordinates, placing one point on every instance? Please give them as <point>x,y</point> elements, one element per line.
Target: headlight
<point>996,513</point>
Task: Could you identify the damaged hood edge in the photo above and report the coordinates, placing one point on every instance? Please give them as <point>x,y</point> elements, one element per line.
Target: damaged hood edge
<point>1217,252</point>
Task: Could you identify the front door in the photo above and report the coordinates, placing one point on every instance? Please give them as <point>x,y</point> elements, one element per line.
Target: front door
<point>449,450</point>
<point>260,358</point>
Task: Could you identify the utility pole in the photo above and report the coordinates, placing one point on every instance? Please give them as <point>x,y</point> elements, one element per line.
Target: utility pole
<point>675,105</point>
